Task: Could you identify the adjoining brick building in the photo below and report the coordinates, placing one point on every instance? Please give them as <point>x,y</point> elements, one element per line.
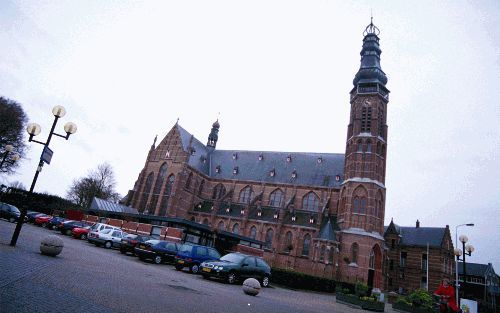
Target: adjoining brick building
<point>318,213</point>
<point>418,257</point>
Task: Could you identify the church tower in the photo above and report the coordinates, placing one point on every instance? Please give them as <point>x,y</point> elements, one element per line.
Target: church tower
<point>213,136</point>
<point>362,195</point>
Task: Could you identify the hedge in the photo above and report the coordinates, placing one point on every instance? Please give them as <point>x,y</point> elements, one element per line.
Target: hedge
<point>302,281</point>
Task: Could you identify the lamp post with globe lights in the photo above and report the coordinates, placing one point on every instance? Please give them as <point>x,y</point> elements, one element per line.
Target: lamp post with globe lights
<point>456,251</point>
<point>8,150</point>
<point>466,250</point>
<point>34,129</point>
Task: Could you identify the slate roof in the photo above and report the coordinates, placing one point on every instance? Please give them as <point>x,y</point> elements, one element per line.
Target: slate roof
<point>327,232</point>
<point>309,171</point>
<point>473,269</point>
<point>103,205</point>
<point>421,236</point>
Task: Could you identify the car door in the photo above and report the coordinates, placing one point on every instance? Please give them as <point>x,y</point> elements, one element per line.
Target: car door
<point>248,267</point>
<point>170,251</point>
<point>116,237</point>
<point>261,267</point>
<point>201,254</point>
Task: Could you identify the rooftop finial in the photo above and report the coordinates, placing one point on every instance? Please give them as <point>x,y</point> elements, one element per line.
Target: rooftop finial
<point>371,29</point>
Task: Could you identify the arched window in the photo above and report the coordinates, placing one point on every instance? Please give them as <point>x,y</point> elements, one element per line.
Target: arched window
<point>381,122</point>
<point>330,255</point>
<point>288,242</point>
<point>156,190</point>
<point>369,146</point>
<point>310,202</point>
<point>322,254</point>
<point>205,221</point>
<point>354,253</point>
<point>146,191</point>
<point>372,260</point>
<point>219,192</point>
<point>236,228</point>
<point>253,232</point>
<point>221,226</point>
<point>355,205</point>
<point>166,195</point>
<point>360,146</point>
<point>306,245</point>
<point>366,119</point>
<point>276,198</point>
<point>363,206</point>
<point>269,238</point>
<point>200,189</point>
<point>188,181</point>
<point>359,200</point>
<point>245,195</point>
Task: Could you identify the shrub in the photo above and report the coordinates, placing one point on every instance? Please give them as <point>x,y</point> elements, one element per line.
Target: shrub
<point>302,281</point>
<point>420,298</point>
<point>361,289</point>
<point>403,301</point>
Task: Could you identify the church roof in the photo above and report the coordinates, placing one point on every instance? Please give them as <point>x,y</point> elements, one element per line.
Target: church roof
<point>298,168</point>
<point>327,230</point>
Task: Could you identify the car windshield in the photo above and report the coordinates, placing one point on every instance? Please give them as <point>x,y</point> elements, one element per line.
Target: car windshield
<point>186,249</point>
<point>233,258</point>
<point>132,236</point>
<point>14,209</point>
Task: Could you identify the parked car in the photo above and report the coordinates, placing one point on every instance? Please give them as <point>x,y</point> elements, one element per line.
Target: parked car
<point>80,232</point>
<point>97,227</point>
<point>191,256</point>
<point>9,212</point>
<point>107,237</point>
<point>130,242</point>
<point>159,251</point>
<point>42,220</point>
<point>32,215</point>
<point>55,222</point>
<point>68,226</point>
<point>234,267</point>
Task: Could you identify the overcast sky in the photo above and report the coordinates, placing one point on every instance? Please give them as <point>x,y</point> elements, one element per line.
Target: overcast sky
<point>278,75</point>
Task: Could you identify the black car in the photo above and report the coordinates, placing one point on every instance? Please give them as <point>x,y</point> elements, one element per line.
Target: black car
<point>159,251</point>
<point>9,212</point>
<point>55,222</point>
<point>67,227</point>
<point>130,241</point>
<point>235,267</point>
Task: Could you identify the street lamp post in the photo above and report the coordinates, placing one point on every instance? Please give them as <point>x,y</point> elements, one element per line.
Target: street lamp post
<point>15,157</point>
<point>457,255</point>
<point>467,250</point>
<point>34,129</point>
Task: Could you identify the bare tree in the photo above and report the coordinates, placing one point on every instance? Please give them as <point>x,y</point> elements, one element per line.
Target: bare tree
<point>17,185</point>
<point>98,183</point>
<point>13,120</point>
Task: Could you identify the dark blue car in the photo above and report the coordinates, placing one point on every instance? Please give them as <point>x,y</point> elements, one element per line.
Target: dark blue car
<point>191,256</point>
<point>55,221</point>
<point>159,251</point>
<point>67,227</point>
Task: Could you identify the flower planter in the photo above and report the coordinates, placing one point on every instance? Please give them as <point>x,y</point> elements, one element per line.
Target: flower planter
<point>357,302</point>
<point>408,308</point>
<point>373,306</point>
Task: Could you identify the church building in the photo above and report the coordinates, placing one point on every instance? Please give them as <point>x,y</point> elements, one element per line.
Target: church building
<point>317,213</point>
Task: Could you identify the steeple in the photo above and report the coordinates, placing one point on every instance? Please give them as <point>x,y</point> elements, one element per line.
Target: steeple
<point>214,135</point>
<point>370,72</point>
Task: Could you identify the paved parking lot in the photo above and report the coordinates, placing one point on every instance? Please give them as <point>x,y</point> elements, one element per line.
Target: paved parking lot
<point>85,278</point>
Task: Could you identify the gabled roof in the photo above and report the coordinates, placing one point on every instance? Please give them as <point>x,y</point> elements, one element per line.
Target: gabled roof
<point>311,169</point>
<point>103,205</point>
<point>473,269</point>
<point>326,232</point>
<point>418,236</point>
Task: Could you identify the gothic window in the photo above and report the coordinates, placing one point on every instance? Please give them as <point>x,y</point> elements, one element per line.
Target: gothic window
<point>354,253</point>
<point>157,188</point>
<point>310,202</point>
<point>372,260</point>
<point>269,238</point>
<point>146,191</point>
<point>306,245</point>
<point>381,122</point>
<point>200,189</point>
<point>356,205</point>
<point>366,119</point>
<point>359,201</point>
<point>368,146</point>
<point>276,198</point>
<point>330,256</point>
<point>188,181</point>
<point>221,226</point>
<point>288,242</point>
<point>360,146</point>
<point>236,228</point>
<point>218,192</point>
<point>166,195</point>
<point>322,254</point>
<point>253,232</point>
<point>245,195</point>
<point>363,206</point>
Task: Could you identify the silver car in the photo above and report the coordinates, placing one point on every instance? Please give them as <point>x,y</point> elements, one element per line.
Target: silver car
<point>107,237</point>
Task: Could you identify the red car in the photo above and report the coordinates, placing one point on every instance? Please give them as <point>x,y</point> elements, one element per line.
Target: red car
<point>42,220</point>
<point>81,233</point>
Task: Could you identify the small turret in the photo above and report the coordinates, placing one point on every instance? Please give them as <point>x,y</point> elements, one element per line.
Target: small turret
<point>214,135</point>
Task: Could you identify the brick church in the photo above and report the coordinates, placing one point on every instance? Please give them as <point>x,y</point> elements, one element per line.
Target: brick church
<point>317,213</point>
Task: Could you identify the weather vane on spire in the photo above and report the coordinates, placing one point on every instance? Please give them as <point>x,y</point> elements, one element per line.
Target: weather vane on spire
<point>371,29</point>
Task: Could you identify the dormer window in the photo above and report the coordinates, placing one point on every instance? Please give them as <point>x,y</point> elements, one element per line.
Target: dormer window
<point>235,170</point>
<point>337,177</point>
<point>261,157</point>
<point>235,156</point>
<point>272,172</point>
<point>294,174</point>
<point>228,210</point>
<point>311,220</point>
<point>242,211</point>
<point>217,169</point>
<point>276,215</point>
<point>193,151</point>
<point>320,160</point>
<point>167,154</point>
<point>294,218</point>
<point>289,158</point>
<point>259,213</point>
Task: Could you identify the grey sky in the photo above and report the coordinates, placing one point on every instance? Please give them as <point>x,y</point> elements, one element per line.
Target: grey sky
<point>279,73</point>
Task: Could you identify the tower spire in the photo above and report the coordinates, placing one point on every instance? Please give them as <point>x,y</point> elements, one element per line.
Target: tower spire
<point>214,135</point>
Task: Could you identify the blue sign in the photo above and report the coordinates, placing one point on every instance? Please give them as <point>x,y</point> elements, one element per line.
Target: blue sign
<point>46,155</point>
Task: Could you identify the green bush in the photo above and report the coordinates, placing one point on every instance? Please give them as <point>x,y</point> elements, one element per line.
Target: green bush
<point>361,289</point>
<point>302,281</point>
<point>403,301</point>
<point>420,298</point>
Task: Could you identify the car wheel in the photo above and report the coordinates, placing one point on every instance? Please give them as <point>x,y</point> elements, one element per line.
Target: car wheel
<point>108,245</point>
<point>194,268</point>
<point>83,236</point>
<point>231,278</point>
<point>12,220</point>
<point>179,267</point>
<point>68,232</point>
<point>158,259</point>
<point>265,282</point>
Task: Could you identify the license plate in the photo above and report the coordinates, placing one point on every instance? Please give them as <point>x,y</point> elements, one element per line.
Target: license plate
<point>180,261</point>
<point>142,246</point>
<point>206,270</point>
